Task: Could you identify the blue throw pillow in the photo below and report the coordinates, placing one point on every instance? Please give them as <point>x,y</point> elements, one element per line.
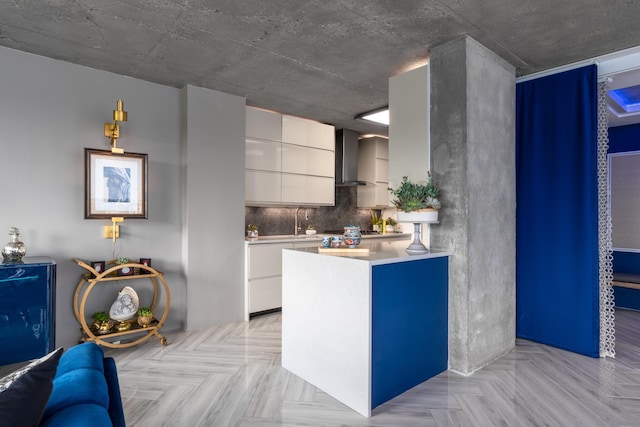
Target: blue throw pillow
<point>25,392</point>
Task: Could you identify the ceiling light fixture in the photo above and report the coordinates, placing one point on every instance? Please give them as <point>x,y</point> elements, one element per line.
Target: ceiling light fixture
<point>380,116</point>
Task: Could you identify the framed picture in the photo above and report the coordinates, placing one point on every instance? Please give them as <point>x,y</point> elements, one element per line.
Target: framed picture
<point>98,266</point>
<point>115,184</point>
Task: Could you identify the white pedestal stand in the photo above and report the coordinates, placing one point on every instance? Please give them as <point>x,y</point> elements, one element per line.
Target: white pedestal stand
<point>417,218</point>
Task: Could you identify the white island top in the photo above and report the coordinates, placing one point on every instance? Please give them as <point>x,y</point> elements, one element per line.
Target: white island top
<point>381,252</point>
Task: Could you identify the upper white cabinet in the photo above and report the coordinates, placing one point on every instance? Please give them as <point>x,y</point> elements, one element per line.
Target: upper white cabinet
<point>289,161</point>
<point>373,168</point>
<point>308,161</point>
<point>263,155</point>
<point>263,124</point>
<point>296,130</point>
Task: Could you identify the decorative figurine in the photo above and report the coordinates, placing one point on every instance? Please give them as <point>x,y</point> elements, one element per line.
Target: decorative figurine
<point>15,250</point>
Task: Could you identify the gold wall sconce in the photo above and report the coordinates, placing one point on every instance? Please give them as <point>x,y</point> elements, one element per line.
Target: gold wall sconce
<point>112,130</point>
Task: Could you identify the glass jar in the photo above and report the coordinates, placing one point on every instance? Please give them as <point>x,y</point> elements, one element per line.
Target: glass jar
<point>15,249</point>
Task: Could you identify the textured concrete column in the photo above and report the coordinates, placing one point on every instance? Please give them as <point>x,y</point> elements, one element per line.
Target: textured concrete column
<point>473,162</point>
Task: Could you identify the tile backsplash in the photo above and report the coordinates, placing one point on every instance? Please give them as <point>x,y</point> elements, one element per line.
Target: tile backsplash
<point>274,221</point>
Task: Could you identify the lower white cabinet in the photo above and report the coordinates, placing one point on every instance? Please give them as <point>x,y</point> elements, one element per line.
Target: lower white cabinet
<point>263,286</point>
<point>265,294</point>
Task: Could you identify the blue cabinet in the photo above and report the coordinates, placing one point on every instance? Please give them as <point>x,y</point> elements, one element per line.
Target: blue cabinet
<point>27,309</point>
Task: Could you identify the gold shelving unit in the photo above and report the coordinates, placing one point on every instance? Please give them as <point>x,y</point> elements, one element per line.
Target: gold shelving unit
<point>92,278</point>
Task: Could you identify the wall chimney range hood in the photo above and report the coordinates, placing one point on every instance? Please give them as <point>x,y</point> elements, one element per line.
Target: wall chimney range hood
<point>347,158</point>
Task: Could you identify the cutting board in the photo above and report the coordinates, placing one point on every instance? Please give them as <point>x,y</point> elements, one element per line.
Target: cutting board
<point>344,251</point>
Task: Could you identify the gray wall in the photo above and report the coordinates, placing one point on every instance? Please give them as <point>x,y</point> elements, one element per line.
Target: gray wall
<point>473,161</point>
<point>214,153</point>
<point>50,111</point>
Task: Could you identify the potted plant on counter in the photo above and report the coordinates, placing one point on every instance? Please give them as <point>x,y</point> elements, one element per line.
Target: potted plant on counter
<point>390,225</point>
<point>376,222</point>
<point>416,202</point>
<point>252,231</point>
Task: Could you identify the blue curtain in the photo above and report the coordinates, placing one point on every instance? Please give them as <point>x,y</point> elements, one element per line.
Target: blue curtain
<point>557,287</point>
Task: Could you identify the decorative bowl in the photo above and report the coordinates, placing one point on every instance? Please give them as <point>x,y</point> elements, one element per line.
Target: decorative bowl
<point>352,236</point>
<point>336,241</point>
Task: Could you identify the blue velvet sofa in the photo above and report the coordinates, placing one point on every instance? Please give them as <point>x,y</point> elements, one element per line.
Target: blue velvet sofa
<point>75,388</point>
<point>85,390</point>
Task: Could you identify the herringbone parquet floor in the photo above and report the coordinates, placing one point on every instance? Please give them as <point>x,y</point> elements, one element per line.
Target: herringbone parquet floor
<point>231,376</point>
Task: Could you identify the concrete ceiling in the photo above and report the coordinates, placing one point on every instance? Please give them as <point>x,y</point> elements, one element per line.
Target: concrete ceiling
<point>320,59</point>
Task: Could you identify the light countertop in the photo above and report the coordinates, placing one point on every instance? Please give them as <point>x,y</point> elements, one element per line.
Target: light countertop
<point>288,238</point>
<point>380,252</point>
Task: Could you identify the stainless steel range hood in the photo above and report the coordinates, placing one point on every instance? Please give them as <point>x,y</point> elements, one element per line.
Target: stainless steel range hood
<point>347,158</point>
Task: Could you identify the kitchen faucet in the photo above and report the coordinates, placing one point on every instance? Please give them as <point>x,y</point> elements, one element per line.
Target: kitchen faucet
<point>296,227</point>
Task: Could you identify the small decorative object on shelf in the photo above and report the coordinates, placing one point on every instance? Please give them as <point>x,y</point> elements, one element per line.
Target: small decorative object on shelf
<point>125,306</point>
<point>145,316</point>
<point>101,322</point>
<point>351,236</point>
<point>252,231</point>
<point>147,263</point>
<point>310,230</point>
<point>98,266</point>
<point>15,250</point>
<point>124,271</point>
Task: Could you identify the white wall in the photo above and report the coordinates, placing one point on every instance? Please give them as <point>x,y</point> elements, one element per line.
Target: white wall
<point>409,133</point>
<point>409,126</point>
<point>49,112</point>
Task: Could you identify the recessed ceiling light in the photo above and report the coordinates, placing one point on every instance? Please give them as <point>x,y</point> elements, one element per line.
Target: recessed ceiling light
<point>380,116</point>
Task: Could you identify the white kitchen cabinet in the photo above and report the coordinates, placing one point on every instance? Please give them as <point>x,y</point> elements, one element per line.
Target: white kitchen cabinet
<point>264,277</point>
<point>296,130</point>
<point>262,187</point>
<point>263,155</point>
<point>307,161</point>
<point>306,189</point>
<point>263,124</point>
<point>373,168</point>
<point>289,161</point>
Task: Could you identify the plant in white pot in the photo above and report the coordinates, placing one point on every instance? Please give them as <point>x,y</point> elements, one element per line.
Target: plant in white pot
<point>417,203</point>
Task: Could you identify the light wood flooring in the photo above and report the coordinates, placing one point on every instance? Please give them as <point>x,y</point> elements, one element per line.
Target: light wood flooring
<point>231,376</point>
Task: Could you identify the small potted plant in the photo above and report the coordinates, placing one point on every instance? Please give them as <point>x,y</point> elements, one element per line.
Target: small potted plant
<point>252,231</point>
<point>411,198</point>
<point>310,230</point>
<point>101,322</point>
<point>145,316</point>
<point>391,225</point>
<point>376,222</point>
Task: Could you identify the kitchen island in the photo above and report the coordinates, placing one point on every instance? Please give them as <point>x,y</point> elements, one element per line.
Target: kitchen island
<point>263,267</point>
<point>364,329</point>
